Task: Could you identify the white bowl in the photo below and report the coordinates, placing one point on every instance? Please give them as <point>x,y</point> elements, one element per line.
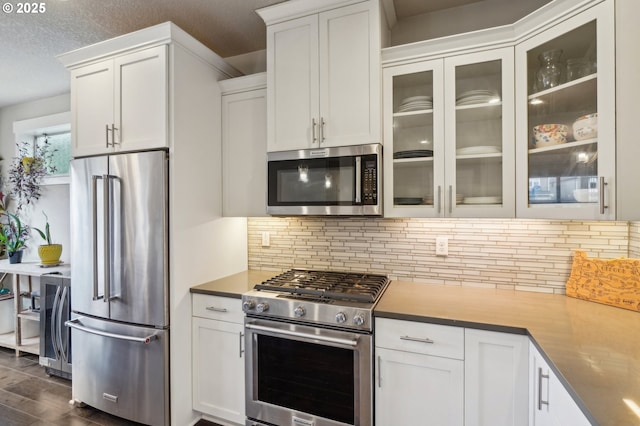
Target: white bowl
<point>586,127</point>
<point>586,195</point>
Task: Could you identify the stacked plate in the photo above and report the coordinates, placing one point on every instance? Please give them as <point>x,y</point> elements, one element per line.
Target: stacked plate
<point>413,154</point>
<point>414,103</point>
<point>477,97</point>
<point>429,199</point>
<point>483,200</point>
<point>475,150</point>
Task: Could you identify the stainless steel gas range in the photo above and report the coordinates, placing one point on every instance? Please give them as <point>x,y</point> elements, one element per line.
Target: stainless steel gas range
<point>309,349</point>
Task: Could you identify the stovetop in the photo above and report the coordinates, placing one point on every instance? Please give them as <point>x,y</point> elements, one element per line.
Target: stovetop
<point>328,285</point>
<point>322,298</point>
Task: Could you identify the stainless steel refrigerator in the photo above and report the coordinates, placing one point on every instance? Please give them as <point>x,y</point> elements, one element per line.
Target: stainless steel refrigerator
<point>119,271</point>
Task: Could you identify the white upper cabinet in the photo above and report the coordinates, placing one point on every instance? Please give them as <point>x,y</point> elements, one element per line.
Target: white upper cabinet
<point>120,104</point>
<point>448,126</point>
<point>244,146</point>
<point>323,75</point>
<point>566,138</point>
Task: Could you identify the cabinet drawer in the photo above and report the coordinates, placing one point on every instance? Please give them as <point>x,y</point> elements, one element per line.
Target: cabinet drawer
<point>418,337</point>
<point>217,307</point>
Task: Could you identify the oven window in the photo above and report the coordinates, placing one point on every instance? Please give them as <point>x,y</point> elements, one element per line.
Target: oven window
<point>307,377</point>
<point>326,181</point>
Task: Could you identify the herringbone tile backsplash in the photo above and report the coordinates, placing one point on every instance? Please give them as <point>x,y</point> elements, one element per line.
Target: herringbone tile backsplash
<point>531,255</point>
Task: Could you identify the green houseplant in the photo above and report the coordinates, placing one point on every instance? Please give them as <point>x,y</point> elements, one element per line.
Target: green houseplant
<point>13,236</point>
<point>49,253</point>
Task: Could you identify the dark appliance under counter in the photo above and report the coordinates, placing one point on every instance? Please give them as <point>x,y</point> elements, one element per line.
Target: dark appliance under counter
<point>55,337</point>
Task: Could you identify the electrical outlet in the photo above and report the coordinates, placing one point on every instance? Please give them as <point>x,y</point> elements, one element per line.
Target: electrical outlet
<point>442,246</point>
<point>265,239</point>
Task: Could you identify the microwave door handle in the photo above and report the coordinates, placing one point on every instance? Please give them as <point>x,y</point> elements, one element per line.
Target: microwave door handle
<point>358,180</point>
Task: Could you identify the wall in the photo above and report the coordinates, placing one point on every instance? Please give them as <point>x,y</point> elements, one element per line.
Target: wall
<point>531,255</point>
<point>462,19</point>
<point>55,198</point>
<point>634,239</point>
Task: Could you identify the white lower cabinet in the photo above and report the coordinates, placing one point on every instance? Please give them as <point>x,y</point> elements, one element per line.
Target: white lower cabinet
<point>419,374</point>
<point>496,378</point>
<point>550,402</point>
<point>218,358</point>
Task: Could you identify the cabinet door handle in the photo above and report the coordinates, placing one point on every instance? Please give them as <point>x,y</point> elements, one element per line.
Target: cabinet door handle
<point>602,186</point>
<point>450,199</point>
<point>379,372</point>
<point>439,199</point>
<point>213,308</point>
<point>241,335</point>
<point>540,377</point>
<point>417,339</point>
<point>113,135</point>
<point>313,131</point>
<point>321,130</point>
<point>106,136</point>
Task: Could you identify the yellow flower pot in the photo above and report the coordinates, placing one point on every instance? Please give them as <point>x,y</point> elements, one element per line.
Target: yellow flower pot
<point>50,253</point>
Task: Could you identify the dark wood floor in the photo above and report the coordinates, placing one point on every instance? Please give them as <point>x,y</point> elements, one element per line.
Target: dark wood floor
<point>28,397</point>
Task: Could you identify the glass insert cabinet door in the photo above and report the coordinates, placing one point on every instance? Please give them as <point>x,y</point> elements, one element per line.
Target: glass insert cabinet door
<point>414,140</point>
<point>479,134</point>
<point>566,134</point>
<point>449,126</point>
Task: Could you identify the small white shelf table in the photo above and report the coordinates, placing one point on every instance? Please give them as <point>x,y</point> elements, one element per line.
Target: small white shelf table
<point>19,270</point>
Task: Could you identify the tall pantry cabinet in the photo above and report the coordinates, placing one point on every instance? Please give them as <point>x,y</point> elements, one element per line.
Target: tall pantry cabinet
<point>162,86</point>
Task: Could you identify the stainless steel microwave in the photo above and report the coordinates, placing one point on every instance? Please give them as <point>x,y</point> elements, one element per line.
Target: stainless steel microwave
<point>326,181</point>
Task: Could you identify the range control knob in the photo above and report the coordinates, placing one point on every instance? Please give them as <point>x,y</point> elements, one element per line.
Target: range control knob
<point>299,312</point>
<point>248,305</point>
<point>341,317</point>
<point>262,307</point>
<point>358,319</point>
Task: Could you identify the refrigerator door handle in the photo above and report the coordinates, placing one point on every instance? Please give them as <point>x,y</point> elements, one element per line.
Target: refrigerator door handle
<point>74,323</point>
<point>94,197</point>
<point>106,235</point>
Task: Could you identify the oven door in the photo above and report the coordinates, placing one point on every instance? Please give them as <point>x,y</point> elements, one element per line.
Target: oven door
<point>298,375</point>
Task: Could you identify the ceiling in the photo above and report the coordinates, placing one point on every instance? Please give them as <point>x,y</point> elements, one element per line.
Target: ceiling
<point>29,43</point>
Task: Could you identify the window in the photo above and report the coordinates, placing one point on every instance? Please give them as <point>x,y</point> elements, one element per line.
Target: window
<point>56,129</point>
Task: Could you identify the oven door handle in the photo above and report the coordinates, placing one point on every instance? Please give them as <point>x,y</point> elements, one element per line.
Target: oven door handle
<point>327,339</point>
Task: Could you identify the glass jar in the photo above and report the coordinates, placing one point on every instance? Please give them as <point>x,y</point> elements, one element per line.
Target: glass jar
<point>577,68</point>
<point>551,71</point>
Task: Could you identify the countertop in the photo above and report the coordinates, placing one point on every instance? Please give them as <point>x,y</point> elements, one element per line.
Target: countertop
<point>33,269</point>
<point>594,349</point>
<point>234,285</point>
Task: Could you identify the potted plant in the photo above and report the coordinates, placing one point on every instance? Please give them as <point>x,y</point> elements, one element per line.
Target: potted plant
<point>49,253</point>
<point>26,171</point>
<point>13,235</point>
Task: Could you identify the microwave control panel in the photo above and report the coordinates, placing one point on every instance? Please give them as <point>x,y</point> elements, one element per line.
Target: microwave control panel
<point>369,180</point>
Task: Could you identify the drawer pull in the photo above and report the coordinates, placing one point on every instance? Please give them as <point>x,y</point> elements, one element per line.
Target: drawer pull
<point>417,339</point>
<point>213,308</point>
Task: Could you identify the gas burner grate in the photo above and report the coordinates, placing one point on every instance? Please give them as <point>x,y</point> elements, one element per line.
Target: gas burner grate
<point>328,284</point>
